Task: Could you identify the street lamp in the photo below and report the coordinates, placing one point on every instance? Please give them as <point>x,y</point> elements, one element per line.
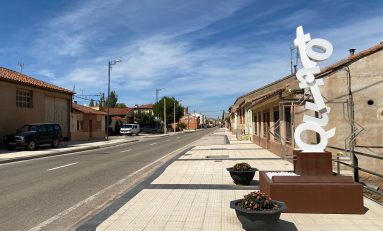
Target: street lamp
<point>110,63</point>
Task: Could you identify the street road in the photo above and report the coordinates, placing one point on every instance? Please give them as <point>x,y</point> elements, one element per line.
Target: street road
<point>35,190</point>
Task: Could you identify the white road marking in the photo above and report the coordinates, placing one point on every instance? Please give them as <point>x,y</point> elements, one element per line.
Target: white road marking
<point>62,166</point>
<point>94,196</point>
<point>127,150</point>
<point>152,144</point>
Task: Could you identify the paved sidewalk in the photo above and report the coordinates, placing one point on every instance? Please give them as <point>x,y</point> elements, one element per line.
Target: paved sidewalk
<point>194,191</point>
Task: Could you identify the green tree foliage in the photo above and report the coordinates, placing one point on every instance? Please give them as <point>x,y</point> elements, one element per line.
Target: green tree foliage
<point>121,105</point>
<point>158,109</point>
<point>91,103</point>
<point>112,101</point>
<point>144,119</point>
<point>182,126</point>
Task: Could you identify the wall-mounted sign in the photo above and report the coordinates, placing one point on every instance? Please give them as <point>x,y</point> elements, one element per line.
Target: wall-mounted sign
<point>310,55</point>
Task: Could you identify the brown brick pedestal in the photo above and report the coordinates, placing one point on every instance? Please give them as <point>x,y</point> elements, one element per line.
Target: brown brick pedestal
<point>315,190</point>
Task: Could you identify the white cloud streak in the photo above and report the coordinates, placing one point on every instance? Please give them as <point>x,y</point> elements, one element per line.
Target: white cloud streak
<point>156,58</point>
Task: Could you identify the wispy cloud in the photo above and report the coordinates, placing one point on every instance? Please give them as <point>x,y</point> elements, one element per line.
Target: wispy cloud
<point>204,52</point>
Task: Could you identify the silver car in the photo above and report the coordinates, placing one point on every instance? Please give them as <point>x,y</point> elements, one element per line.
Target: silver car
<point>130,129</point>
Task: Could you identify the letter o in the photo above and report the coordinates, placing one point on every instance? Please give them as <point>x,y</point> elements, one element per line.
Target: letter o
<point>324,136</point>
<point>322,44</point>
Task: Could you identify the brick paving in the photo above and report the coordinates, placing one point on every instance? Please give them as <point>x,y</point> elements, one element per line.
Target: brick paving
<point>193,193</point>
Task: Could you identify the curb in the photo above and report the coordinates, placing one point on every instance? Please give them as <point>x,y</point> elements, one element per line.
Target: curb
<point>62,152</point>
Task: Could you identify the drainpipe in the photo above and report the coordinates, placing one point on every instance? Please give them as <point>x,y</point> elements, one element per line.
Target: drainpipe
<point>352,116</point>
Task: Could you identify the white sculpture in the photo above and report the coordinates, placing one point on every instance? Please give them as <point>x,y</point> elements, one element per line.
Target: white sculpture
<point>309,58</point>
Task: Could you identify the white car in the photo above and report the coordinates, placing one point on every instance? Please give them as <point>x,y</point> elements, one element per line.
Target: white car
<point>130,129</point>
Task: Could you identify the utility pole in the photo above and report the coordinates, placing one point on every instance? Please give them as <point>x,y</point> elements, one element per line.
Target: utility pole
<point>174,117</point>
<point>164,115</point>
<point>110,63</point>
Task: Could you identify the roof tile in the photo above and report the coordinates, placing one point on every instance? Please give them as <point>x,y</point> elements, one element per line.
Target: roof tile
<point>14,76</point>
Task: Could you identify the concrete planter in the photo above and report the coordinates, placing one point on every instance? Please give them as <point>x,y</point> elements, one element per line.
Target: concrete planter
<point>242,177</point>
<point>253,220</point>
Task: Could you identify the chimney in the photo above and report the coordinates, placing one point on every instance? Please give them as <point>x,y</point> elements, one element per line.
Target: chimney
<point>352,51</point>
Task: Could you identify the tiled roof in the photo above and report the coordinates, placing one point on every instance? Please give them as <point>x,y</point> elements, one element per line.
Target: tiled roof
<point>267,96</point>
<point>16,77</point>
<point>87,110</point>
<point>118,111</point>
<point>351,58</point>
<point>117,118</point>
<point>145,106</point>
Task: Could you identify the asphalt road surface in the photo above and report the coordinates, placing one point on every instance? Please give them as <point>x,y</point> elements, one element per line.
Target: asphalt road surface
<point>35,190</point>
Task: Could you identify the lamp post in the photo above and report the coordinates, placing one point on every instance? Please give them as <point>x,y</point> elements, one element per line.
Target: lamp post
<point>164,115</point>
<point>110,63</point>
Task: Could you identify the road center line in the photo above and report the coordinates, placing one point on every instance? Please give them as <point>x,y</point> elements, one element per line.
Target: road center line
<point>127,150</point>
<point>152,144</point>
<point>62,166</point>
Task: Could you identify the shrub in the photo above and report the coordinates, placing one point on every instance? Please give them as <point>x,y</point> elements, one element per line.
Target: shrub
<point>242,167</point>
<point>182,126</point>
<point>257,201</point>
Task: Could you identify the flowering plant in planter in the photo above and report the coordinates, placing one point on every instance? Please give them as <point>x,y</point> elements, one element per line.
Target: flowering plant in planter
<point>257,201</point>
<point>242,173</point>
<point>257,211</point>
<point>242,167</point>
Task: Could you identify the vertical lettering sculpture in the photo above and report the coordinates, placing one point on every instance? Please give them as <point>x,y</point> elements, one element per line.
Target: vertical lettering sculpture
<point>309,58</point>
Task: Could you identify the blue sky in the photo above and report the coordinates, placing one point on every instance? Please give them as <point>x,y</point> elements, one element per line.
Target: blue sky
<point>203,52</point>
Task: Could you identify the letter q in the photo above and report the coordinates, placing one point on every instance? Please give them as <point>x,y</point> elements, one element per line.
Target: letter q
<point>321,44</point>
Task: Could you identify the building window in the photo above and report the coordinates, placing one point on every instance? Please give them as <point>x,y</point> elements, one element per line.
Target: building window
<point>277,130</point>
<point>288,123</point>
<point>98,125</point>
<point>24,98</point>
<point>266,123</point>
<point>79,125</point>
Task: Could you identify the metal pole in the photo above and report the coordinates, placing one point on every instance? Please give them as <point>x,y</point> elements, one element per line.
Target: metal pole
<point>352,115</point>
<point>174,125</point>
<point>107,122</point>
<point>164,115</point>
<point>157,91</point>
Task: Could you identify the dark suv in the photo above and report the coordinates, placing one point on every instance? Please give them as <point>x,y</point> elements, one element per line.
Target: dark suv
<point>32,135</point>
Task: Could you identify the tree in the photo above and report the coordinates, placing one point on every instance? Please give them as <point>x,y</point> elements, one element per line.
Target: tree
<point>121,105</point>
<point>144,119</point>
<point>158,109</point>
<point>112,101</point>
<point>102,102</point>
<point>91,103</point>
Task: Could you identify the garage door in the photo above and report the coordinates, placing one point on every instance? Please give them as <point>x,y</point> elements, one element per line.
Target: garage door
<point>56,111</point>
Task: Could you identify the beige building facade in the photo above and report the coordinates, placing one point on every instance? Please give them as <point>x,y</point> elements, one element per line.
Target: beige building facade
<point>87,123</point>
<point>353,89</point>
<point>28,100</point>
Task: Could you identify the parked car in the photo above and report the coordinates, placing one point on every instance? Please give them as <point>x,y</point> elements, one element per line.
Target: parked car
<point>130,129</point>
<point>32,135</point>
